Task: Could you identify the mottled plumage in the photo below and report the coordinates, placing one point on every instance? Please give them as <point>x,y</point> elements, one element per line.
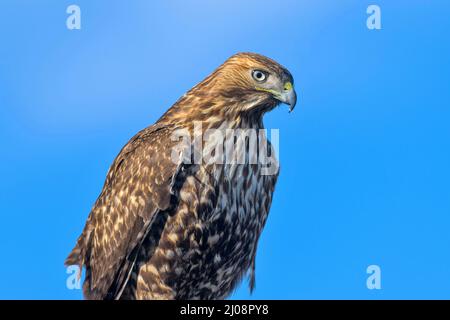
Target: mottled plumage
<point>164,228</point>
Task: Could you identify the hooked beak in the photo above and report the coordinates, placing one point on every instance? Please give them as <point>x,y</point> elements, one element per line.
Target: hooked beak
<point>288,95</point>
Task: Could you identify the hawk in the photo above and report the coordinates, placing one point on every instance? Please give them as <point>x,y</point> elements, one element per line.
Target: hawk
<point>168,227</point>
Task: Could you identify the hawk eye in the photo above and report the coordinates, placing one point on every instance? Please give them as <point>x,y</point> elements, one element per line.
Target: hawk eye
<point>259,75</point>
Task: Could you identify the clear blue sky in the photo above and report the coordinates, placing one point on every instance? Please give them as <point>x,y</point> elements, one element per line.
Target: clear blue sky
<point>365,157</point>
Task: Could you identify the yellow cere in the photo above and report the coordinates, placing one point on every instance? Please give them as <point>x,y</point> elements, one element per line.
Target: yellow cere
<point>288,86</point>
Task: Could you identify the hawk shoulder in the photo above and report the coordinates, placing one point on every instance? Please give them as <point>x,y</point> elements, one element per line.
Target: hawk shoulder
<point>139,187</point>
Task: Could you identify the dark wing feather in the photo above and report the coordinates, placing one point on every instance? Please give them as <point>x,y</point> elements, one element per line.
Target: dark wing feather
<point>138,188</point>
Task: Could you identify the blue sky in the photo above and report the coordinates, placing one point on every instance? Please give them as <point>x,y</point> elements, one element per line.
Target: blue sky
<point>365,157</point>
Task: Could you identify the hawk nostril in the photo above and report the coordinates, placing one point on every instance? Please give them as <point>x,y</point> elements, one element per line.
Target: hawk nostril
<point>287,86</point>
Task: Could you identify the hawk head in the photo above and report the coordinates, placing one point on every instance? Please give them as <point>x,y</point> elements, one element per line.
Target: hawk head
<point>247,85</point>
<point>257,81</point>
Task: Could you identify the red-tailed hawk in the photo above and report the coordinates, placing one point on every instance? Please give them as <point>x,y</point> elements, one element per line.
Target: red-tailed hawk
<point>167,226</point>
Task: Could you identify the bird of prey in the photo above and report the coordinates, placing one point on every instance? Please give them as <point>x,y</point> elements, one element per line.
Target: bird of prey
<point>169,227</point>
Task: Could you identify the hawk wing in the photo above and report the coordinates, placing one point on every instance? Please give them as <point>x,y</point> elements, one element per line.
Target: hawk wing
<point>139,187</point>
